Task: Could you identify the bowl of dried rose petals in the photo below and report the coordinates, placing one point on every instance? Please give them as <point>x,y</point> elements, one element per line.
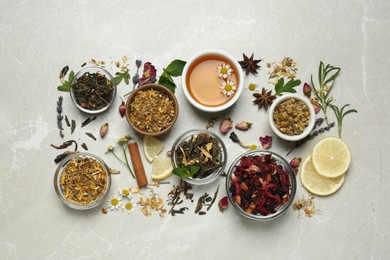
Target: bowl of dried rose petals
<point>261,185</point>
<point>82,181</point>
<point>152,109</point>
<point>292,117</point>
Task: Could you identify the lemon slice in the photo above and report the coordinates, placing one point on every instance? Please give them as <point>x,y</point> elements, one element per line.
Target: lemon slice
<point>331,157</point>
<point>152,147</point>
<point>161,168</point>
<point>318,184</point>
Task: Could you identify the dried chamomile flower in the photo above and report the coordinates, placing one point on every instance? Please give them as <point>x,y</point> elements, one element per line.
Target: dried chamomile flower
<point>114,203</point>
<point>224,70</point>
<point>125,193</point>
<point>129,206</point>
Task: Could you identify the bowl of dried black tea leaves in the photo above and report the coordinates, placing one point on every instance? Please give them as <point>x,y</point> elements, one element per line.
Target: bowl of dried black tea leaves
<point>93,90</point>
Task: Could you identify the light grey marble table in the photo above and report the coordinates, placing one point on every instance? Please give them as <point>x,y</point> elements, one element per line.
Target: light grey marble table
<point>38,38</point>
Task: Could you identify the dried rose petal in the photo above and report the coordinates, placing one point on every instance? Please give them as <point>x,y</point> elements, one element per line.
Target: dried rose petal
<point>266,142</point>
<point>223,203</point>
<point>225,125</point>
<point>149,74</point>
<point>307,89</point>
<point>103,130</point>
<point>244,125</point>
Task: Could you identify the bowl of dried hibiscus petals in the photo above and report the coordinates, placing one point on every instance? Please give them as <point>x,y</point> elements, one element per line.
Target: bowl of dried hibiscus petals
<point>261,185</point>
<point>152,109</point>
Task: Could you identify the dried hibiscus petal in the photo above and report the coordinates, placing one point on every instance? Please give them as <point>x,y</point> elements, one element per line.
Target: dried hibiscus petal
<point>149,74</point>
<point>266,141</point>
<point>259,185</point>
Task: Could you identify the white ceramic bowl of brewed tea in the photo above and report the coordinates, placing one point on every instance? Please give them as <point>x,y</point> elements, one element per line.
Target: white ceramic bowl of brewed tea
<point>194,61</point>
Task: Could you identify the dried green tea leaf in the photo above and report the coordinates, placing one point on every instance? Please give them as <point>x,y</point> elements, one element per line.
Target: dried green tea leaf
<point>73,126</point>
<point>91,135</point>
<point>84,145</point>
<point>67,121</point>
<point>87,121</point>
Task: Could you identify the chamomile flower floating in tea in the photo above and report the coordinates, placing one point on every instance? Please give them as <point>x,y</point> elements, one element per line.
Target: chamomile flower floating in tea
<point>224,70</point>
<point>228,87</point>
<point>129,206</point>
<point>114,203</point>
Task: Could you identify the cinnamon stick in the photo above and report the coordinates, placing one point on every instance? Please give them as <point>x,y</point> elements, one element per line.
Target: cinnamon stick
<point>138,167</point>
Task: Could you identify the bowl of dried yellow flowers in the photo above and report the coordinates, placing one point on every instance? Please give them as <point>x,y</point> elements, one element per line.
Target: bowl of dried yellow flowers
<point>152,109</point>
<point>82,181</point>
<point>292,117</point>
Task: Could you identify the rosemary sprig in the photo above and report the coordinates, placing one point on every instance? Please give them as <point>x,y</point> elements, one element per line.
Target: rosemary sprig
<point>326,78</point>
<point>340,115</point>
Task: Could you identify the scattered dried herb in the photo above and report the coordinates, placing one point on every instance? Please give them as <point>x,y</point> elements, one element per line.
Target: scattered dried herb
<point>123,141</point>
<point>153,203</point>
<point>339,113</point>
<point>152,111</point>
<point>266,141</point>
<point>307,205</point>
<point>264,99</point>
<point>83,180</point>
<point>326,78</point>
<point>259,185</point>
<point>59,116</point>
<point>211,122</point>
<point>233,136</point>
<point>213,200</point>
<point>87,121</point>
<point>287,68</point>
<point>291,117</point>
<point>62,156</point>
<point>67,121</point>
<point>289,87</point>
<point>249,64</point>
<point>306,90</point>
<point>312,135</point>
<point>174,198</point>
<point>83,65</point>
<point>73,126</point>
<point>91,135</point>
<point>122,108</point>
<point>198,156</point>
<point>93,91</point>
<point>65,145</point>
<point>174,69</point>
<point>84,145</point>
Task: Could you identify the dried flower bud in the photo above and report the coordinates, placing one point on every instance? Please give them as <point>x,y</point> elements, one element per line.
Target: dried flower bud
<point>223,203</point>
<point>122,109</point>
<point>234,137</point>
<point>225,125</point>
<point>138,63</point>
<point>316,107</point>
<point>128,137</point>
<point>169,153</point>
<point>244,125</point>
<point>266,142</point>
<point>295,162</point>
<point>307,89</point>
<point>103,130</point>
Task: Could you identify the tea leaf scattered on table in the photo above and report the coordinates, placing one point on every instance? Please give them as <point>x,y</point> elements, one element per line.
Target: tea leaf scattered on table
<point>175,68</point>
<point>125,76</point>
<point>73,126</point>
<point>91,135</point>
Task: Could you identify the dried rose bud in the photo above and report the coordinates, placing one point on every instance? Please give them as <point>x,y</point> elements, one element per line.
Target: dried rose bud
<point>225,125</point>
<point>223,203</point>
<point>244,125</point>
<point>266,142</point>
<point>122,109</point>
<point>316,107</point>
<point>103,130</point>
<point>307,89</point>
<point>295,162</point>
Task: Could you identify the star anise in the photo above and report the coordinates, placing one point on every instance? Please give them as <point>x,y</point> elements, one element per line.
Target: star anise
<point>249,64</point>
<point>264,99</point>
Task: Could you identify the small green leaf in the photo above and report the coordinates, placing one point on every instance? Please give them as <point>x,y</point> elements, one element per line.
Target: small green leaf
<point>167,81</point>
<point>289,87</point>
<point>194,169</point>
<point>176,68</point>
<point>182,172</point>
<point>127,81</point>
<point>66,85</point>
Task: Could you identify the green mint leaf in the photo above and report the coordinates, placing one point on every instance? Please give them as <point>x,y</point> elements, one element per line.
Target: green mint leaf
<point>279,86</point>
<point>182,172</point>
<point>66,85</point>
<point>71,77</point>
<point>176,68</point>
<point>194,169</point>
<point>118,80</point>
<point>127,81</point>
<point>167,81</point>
